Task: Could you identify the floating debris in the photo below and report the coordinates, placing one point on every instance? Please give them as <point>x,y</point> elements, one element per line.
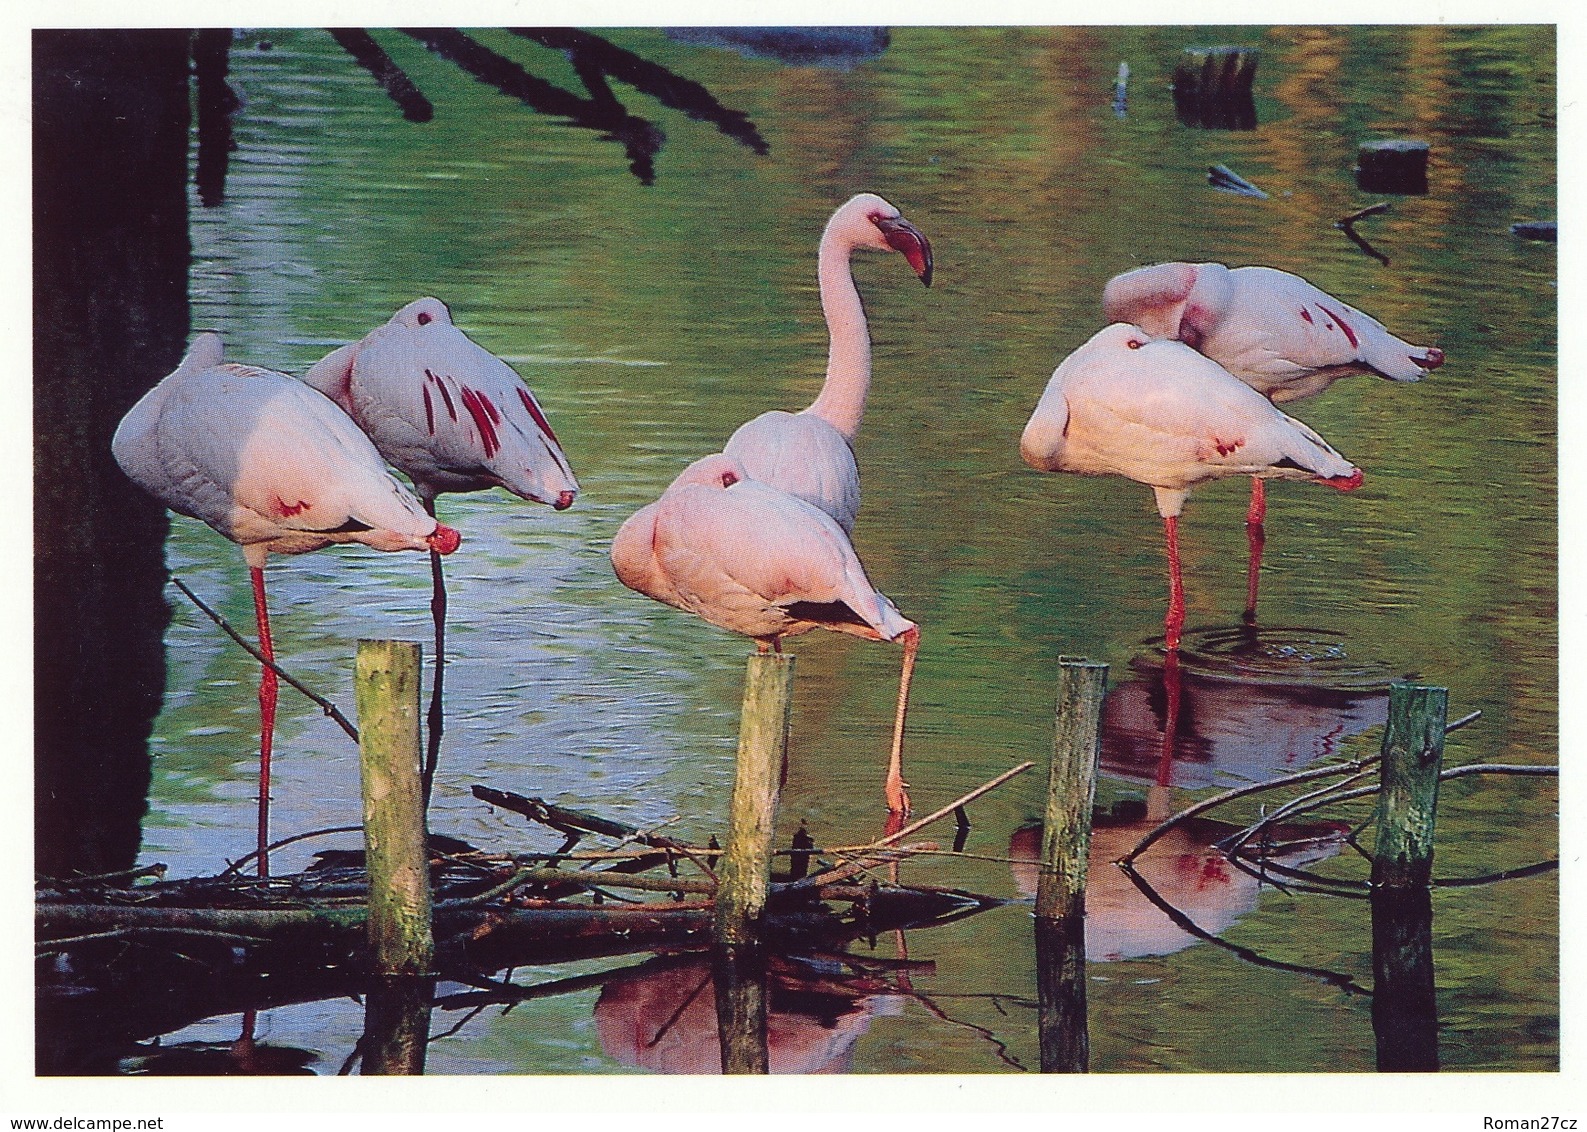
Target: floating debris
<point>1121,97</point>
<point>1226,180</point>
<point>1547,230</point>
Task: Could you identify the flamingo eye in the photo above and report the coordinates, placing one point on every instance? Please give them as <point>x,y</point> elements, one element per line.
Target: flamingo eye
<point>1135,343</point>
<point>425,318</point>
<point>729,479</point>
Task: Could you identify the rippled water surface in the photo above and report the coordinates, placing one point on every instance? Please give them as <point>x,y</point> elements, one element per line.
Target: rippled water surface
<point>652,319</point>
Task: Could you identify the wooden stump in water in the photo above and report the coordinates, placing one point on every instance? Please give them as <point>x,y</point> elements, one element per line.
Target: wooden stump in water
<point>1393,166</point>
<point>1212,88</point>
<point>744,878</point>
<point>1404,1001</point>
<point>386,675</point>
<point>1061,881</point>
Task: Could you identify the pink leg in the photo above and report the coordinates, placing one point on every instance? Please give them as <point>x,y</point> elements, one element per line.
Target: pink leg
<point>897,796</point>
<point>267,715</point>
<point>1175,621</point>
<point>1257,539</point>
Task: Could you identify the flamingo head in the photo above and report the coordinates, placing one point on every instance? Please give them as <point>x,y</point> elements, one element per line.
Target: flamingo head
<point>719,471</point>
<point>869,221</point>
<point>421,313</point>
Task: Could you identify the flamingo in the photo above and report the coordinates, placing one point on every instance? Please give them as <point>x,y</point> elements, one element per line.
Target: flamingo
<point>810,453</point>
<point>274,467</point>
<point>1165,416</point>
<point>1275,331</point>
<point>751,559</point>
<point>452,417</point>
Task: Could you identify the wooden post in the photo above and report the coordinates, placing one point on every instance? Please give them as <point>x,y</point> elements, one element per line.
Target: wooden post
<point>1404,993</point>
<point>1396,165</point>
<point>1413,755</point>
<point>744,876</point>
<point>1061,883</point>
<point>387,691</point>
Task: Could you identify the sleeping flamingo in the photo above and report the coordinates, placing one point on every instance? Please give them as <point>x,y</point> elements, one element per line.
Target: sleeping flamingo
<point>276,468</point>
<point>1274,331</point>
<point>1164,415</point>
<point>749,558</point>
<point>451,416</point>
<point>809,454</point>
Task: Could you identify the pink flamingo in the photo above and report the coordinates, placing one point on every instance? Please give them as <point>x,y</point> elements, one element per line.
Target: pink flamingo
<point>809,454</point>
<point>1164,415</point>
<point>1274,331</point>
<point>274,467</point>
<point>749,558</point>
<point>452,417</point>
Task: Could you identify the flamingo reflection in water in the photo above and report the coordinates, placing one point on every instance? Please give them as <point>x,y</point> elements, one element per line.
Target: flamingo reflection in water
<point>1183,868</point>
<point>662,1017</point>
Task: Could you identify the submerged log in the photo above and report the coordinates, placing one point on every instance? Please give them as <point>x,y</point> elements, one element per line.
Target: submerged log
<point>1396,165</point>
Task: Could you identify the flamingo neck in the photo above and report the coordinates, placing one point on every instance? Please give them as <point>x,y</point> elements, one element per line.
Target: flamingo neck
<point>842,399</point>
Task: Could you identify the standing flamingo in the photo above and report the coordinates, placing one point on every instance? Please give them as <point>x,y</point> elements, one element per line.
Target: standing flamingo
<point>274,467</point>
<point>1274,331</point>
<point>810,453</point>
<point>451,416</point>
<point>1164,415</point>
<point>755,560</point>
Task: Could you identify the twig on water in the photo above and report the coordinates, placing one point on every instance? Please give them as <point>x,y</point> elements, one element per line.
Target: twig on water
<point>325,705</point>
<point>1347,225</point>
<point>913,827</point>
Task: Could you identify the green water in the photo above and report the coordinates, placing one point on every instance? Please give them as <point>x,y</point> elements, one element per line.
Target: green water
<point>652,320</point>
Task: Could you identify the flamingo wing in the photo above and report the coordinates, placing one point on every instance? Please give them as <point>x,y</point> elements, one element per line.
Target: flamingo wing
<point>803,455</point>
<point>444,410</point>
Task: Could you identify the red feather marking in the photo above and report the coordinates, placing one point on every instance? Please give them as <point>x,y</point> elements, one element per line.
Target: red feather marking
<point>451,410</point>
<point>1343,325</point>
<point>487,431</point>
<point>288,510</point>
<point>1226,447</point>
<point>1306,314</point>
<point>540,418</point>
<point>490,407</point>
<point>429,411</point>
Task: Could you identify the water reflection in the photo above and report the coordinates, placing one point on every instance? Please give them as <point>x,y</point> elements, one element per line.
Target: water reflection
<point>835,47</point>
<point>662,1017</point>
<point>1183,868</point>
<point>1239,704</point>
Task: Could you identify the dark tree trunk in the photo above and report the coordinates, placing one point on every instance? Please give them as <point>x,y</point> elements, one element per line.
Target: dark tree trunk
<point>111,257</point>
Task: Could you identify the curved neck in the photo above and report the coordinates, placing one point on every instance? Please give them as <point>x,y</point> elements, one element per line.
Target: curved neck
<point>842,399</point>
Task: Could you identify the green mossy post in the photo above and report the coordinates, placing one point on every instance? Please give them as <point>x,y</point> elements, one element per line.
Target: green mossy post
<point>386,677</point>
<point>744,876</point>
<point>1413,755</point>
<point>1061,883</point>
<point>1404,993</point>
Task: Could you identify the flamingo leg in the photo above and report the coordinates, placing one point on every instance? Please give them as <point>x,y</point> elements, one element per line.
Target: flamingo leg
<point>1172,691</point>
<point>434,721</point>
<point>267,714</point>
<point>897,796</point>
<point>1174,622</point>
<point>1256,538</point>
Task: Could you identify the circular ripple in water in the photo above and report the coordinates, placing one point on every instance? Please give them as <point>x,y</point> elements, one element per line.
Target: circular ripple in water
<point>1317,658</point>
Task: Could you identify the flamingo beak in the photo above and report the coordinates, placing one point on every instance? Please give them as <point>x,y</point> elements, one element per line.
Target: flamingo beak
<point>444,539</point>
<point>904,237</point>
<point>1432,359</point>
<point>564,501</point>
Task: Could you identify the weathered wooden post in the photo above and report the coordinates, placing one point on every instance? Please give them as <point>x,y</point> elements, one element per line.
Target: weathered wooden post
<point>1404,1008</point>
<point>1395,165</point>
<point>402,947</point>
<point>1061,882</point>
<point>744,876</point>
